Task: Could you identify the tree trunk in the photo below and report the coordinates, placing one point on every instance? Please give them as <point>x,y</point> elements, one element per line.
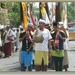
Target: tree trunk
<point>58,12</point>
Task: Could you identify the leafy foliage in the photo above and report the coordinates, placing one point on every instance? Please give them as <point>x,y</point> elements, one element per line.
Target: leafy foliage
<point>2,5</point>
<point>14,13</point>
<point>71,11</point>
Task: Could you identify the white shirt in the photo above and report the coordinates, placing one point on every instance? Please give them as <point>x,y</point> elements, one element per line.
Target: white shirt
<point>44,45</point>
<point>14,37</point>
<point>66,43</point>
<point>7,34</point>
<point>17,36</point>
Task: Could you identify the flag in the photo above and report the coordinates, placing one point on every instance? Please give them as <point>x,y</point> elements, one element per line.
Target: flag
<point>43,13</point>
<point>47,9</point>
<point>48,12</point>
<point>24,17</point>
<point>31,16</point>
<point>65,14</point>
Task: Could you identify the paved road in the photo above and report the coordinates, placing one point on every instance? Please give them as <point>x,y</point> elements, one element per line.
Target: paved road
<point>12,63</point>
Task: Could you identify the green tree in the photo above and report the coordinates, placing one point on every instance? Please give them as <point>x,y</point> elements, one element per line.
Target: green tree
<point>9,6</point>
<point>70,11</point>
<point>14,13</point>
<point>2,5</point>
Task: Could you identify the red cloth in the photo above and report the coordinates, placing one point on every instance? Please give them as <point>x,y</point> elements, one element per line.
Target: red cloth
<point>31,16</point>
<point>29,36</point>
<point>7,48</point>
<point>56,39</point>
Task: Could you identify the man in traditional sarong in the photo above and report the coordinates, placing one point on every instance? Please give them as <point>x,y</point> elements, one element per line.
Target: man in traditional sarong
<point>42,49</point>
<point>65,60</point>
<point>26,59</point>
<point>8,43</point>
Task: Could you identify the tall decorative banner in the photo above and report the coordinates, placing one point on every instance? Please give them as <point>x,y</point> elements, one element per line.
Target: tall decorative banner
<point>31,16</point>
<point>64,14</point>
<point>24,16</point>
<point>43,12</point>
<point>47,9</point>
<point>52,7</point>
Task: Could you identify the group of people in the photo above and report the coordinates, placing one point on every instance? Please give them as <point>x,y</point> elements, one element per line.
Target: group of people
<point>9,39</point>
<point>39,48</point>
<point>43,44</point>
